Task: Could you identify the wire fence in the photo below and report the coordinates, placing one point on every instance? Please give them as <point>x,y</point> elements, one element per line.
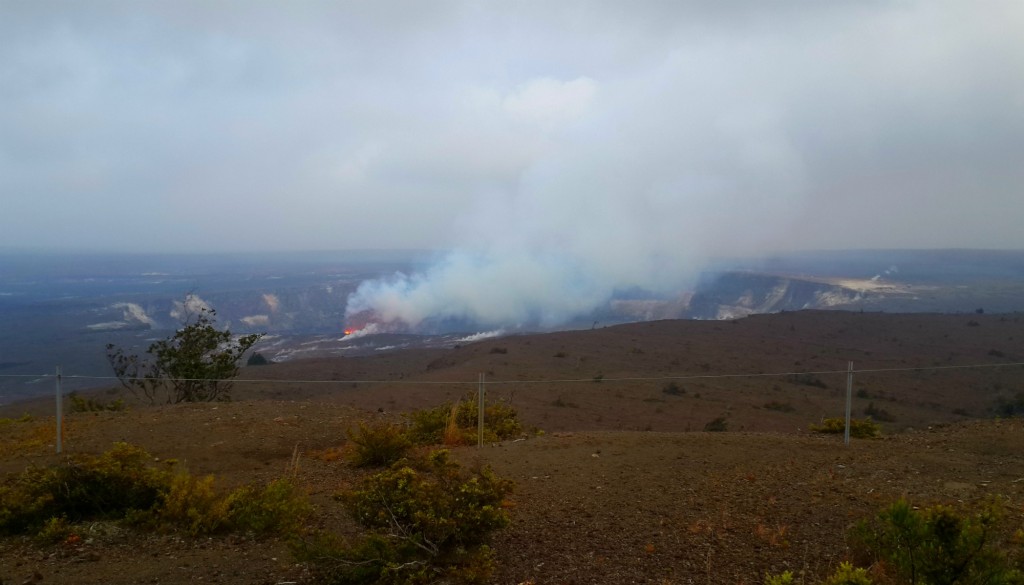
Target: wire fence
<point>680,377</point>
<point>482,382</point>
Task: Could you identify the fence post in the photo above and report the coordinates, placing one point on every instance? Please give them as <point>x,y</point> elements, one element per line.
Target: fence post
<point>849,400</point>
<point>480,414</point>
<point>60,414</point>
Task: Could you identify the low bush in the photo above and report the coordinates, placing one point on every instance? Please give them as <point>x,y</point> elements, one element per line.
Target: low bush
<point>718,425</point>
<point>428,521</point>
<point>859,428</point>
<point>377,444</point>
<point>942,546</point>
<point>879,414</point>
<point>123,485</point>
<point>846,574</point>
<point>82,488</point>
<point>673,389</point>
<point>783,578</point>
<point>27,434</point>
<point>779,406</point>
<point>21,419</point>
<point>276,508</point>
<point>807,380</point>
<point>1009,406</point>
<point>454,424</point>
<point>191,504</point>
<point>80,404</point>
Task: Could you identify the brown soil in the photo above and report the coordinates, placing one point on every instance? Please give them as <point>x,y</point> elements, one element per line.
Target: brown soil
<point>598,499</point>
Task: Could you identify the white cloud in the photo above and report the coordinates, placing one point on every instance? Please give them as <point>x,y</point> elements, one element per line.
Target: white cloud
<point>549,101</point>
<point>396,124</point>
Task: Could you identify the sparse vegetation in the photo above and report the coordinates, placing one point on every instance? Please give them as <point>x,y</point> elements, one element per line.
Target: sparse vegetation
<point>21,419</point>
<point>195,364</point>
<point>879,414</point>
<point>84,404</point>
<point>428,521</point>
<point>807,380</point>
<point>124,485</point>
<point>1009,406</point>
<point>860,428</point>
<point>716,425</point>
<point>846,574</point>
<point>673,389</point>
<point>377,444</point>
<point>779,406</point>
<point>429,426</point>
<point>942,546</point>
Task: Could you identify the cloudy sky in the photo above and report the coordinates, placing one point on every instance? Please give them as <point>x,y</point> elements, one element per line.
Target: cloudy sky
<point>629,134</point>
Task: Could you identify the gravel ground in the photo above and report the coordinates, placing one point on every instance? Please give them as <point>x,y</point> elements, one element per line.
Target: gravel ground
<point>589,507</point>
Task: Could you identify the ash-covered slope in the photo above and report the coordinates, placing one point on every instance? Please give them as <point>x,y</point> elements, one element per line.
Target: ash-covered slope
<point>738,294</point>
<point>731,295</point>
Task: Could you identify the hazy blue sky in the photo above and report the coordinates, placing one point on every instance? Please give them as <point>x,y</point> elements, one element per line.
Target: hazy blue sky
<point>622,134</point>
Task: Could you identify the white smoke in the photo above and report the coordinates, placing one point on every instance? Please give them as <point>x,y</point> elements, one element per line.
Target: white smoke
<point>610,204</point>
<point>135,313</point>
<point>192,305</point>
<point>887,272</point>
<point>256,320</point>
<point>272,301</point>
<point>371,329</point>
<point>480,336</point>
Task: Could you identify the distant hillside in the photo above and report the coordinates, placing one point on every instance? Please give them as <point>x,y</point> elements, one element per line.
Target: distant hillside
<point>615,378</point>
<point>62,310</point>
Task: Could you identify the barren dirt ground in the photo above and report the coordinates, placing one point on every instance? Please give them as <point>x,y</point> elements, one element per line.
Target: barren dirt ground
<point>598,499</point>
<point>589,507</point>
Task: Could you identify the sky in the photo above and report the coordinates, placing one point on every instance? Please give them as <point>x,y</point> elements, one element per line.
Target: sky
<point>572,146</point>
<point>725,127</point>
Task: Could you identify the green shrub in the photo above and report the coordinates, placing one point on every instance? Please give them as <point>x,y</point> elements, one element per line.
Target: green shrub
<point>784,578</point>
<point>1009,406</point>
<point>80,404</point>
<point>859,428</point>
<point>879,414</point>
<point>191,504</point>
<point>779,406</point>
<point>377,444</point>
<point>122,485</point>
<point>21,419</point>
<point>940,546</point>
<point>428,426</point>
<point>53,531</point>
<point>427,522</point>
<point>806,380</point>
<point>276,508</point>
<point>82,488</point>
<point>847,574</point>
<point>673,389</point>
<point>718,425</point>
